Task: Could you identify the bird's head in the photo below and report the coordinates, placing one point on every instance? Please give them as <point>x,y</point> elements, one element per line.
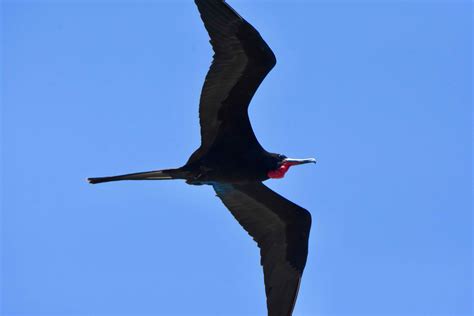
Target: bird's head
<point>284,163</point>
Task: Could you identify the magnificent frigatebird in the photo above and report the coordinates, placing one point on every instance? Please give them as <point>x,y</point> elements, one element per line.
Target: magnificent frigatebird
<point>231,159</point>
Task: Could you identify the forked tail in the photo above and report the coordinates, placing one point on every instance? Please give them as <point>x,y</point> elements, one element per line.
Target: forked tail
<point>166,174</point>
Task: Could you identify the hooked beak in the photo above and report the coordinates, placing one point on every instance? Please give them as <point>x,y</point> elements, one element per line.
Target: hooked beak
<point>294,162</point>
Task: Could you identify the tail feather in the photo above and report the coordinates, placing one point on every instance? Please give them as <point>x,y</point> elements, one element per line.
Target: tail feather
<point>167,174</point>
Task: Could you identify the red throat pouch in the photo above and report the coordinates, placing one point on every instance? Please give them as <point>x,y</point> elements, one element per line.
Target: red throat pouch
<point>280,172</point>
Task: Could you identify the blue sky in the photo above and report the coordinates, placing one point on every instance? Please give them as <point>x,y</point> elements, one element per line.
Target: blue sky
<point>379,92</point>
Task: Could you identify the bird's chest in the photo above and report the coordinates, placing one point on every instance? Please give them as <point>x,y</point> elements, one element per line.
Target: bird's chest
<point>232,168</point>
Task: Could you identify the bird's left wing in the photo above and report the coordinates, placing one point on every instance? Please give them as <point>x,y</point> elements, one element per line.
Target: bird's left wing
<point>281,230</point>
<point>241,61</point>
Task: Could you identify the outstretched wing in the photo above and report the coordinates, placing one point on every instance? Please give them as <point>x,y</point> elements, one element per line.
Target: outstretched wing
<point>281,230</point>
<point>241,61</point>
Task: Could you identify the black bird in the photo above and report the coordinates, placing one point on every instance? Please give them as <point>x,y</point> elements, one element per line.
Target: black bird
<point>231,159</point>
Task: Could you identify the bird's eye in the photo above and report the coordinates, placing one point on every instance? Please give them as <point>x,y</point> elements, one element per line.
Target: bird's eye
<point>282,157</point>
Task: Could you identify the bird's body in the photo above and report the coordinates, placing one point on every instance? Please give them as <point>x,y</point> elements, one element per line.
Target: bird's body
<point>232,160</point>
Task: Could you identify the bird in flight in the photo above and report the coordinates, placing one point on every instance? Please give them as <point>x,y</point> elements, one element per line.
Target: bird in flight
<point>233,162</point>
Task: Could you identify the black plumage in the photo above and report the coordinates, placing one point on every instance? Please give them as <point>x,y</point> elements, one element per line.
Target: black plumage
<point>232,160</point>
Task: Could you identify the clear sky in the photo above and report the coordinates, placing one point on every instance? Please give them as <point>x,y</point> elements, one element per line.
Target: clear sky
<point>379,92</point>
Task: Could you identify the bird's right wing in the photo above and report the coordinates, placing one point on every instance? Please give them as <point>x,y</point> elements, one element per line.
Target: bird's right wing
<point>241,61</point>
<point>281,230</point>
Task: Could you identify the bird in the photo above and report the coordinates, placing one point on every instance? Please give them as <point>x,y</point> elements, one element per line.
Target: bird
<point>232,161</point>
